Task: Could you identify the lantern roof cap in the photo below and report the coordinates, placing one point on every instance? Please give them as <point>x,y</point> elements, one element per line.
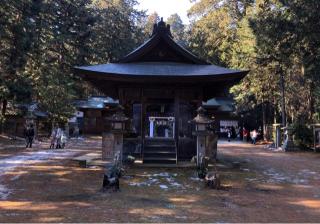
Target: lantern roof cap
<point>118,115</point>
<point>201,117</point>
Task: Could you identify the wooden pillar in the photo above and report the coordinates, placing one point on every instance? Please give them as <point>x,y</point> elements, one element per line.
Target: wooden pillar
<point>143,116</point>
<point>176,118</point>
<point>200,97</point>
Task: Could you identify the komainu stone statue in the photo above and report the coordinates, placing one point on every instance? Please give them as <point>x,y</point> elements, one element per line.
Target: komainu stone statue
<point>112,175</point>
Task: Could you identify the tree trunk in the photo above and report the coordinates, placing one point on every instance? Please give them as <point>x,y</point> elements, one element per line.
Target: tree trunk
<point>4,106</point>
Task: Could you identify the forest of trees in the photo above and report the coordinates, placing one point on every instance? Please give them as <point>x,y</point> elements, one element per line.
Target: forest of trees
<point>40,42</point>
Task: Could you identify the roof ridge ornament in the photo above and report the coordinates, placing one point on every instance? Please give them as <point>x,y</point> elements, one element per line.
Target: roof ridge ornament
<point>161,28</point>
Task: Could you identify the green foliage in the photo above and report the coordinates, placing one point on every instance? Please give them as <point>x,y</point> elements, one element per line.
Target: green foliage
<point>41,41</point>
<point>177,29</point>
<point>147,24</point>
<point>303,135</point>
<point>316,115</point>
<point>268,38</point>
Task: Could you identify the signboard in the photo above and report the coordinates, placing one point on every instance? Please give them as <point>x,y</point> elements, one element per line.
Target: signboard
<point>79,114</point>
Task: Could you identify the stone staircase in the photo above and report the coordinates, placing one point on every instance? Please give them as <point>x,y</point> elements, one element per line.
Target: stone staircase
<point>159,151</point>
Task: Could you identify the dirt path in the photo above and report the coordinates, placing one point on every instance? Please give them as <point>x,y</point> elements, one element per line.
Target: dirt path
<point>265,187</point>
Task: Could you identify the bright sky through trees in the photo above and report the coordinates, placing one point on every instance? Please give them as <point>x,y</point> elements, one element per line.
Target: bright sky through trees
<point>165,8</point>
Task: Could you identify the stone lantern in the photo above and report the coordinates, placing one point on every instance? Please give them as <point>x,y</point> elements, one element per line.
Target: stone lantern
<point>113,141</point>
<point>202,130</point>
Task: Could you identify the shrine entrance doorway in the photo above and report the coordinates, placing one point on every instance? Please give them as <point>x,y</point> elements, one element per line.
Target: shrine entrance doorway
<point>159,119</point>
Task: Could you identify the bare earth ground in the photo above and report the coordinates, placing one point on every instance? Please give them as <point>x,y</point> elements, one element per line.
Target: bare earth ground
<point>42,185</point>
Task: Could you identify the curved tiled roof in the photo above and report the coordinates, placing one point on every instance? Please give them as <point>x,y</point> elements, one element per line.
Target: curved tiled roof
<point>159,69</point>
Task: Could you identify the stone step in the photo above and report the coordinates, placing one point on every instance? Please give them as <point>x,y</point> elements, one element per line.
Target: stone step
<point>160,145</point>
<point>160,141</point>
<point>159,149</point>
<point>157,160</point>
<point>159,152</point>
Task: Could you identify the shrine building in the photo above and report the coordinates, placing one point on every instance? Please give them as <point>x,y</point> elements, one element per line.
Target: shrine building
<point>161,84</point>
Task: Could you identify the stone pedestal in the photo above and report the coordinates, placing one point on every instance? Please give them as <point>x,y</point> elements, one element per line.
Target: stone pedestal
<point>118,145</point>
<point>201,147</point>
<point>107,146</point>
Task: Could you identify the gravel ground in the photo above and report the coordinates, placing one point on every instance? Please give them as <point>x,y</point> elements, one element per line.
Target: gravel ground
<point>42,185</point>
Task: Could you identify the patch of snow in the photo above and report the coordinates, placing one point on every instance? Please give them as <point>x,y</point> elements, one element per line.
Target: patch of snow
<point>16,177</point>
<point>157,178</point>
<point>171,206</point>
<point>169,179</point>
<point>251,179</point>
<point>195,179</point>
<point>181,217</point>
<point>12,214</point>
<point>279,177</point>
<point>136,184</point>
<point>4,192</point>
<point>175,184</point>
<point>93,167</point>
<point>162,186</point>
<point>152,180</point>
<point>11,163</point>
<point>164,174</point>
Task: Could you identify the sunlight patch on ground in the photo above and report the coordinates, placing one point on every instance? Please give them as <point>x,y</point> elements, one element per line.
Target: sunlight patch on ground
<point>151,211</point>
<point>38,206</point>
<point>50,219</point>
<point>308,203</point>
<point>183,199</point>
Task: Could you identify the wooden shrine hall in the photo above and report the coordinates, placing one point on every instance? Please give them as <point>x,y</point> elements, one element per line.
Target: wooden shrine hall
<point>161,85</point>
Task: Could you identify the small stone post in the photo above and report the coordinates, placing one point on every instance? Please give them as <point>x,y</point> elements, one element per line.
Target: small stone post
<point>277,135</point>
